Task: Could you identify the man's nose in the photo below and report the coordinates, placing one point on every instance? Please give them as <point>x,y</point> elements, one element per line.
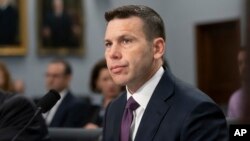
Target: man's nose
<point>115,52</point>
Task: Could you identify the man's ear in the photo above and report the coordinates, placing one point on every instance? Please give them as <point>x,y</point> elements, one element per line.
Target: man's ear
<point>69,77</point>
<point>158,47</point>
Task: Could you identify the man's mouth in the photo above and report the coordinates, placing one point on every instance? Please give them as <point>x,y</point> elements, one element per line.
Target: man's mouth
<point>117,69</point>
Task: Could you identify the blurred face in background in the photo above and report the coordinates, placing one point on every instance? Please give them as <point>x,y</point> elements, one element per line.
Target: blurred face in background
<point>56,78</point>
<point>58,6</point>
<point>19,86</point>
<point>242,58</point>
<point>4,2</point>
<point>106,85</point>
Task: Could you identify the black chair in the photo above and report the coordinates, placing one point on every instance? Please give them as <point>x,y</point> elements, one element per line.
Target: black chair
<point>75,134</point>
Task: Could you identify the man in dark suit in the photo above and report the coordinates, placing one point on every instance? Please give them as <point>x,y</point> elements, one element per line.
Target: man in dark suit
<point>15,113</point>
<point>68,111</point>
<point>156,106</point>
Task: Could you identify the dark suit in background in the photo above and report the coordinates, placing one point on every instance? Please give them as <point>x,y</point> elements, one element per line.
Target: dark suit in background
<point>97,115</point>
<point>175,112</point>
<point>72,112</point>
<point>15,112</point>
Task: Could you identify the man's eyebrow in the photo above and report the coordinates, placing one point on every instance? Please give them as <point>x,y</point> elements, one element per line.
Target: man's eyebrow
<point>120,37</point>
<point>107,40</point>
<point>125,36</point>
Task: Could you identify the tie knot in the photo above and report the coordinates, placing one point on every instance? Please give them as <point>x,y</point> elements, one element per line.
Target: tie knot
<point>132,104</point>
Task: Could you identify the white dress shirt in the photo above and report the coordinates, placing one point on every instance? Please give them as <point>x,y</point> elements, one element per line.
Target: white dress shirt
<point>50,114</point>
<point>142,97</point>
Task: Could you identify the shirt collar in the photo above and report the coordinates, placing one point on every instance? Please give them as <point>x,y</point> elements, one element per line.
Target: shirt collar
<point>63,93</point>
<point>144,93</point>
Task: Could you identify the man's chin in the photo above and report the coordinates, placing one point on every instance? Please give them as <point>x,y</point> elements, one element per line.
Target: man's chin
<point>120,82</point>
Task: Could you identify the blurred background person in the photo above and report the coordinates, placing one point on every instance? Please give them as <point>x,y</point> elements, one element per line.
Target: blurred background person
<point>19,87</point>
<point>68,111</point>
<point>236,102</point>
<point>102,83</point>
<point>8,22</point>
<point>5,78</point>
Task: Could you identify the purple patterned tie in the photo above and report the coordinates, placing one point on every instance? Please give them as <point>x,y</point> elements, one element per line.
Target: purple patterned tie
<point>128,118</point>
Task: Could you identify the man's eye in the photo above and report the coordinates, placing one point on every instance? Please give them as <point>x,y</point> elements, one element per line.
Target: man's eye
<point>126,41</point>
<point>107,45</point>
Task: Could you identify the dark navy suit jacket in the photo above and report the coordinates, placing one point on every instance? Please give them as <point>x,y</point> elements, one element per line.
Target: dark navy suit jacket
<point>72,112</point>
<point>175,112</point>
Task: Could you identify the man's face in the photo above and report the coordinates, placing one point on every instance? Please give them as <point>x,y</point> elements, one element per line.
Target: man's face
<point>56,78</point>
<point>58,5</point>
<point>129,55</point>
<point>4,2</point>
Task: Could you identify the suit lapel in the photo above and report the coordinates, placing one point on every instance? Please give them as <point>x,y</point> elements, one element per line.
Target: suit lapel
<point>120,106</point>
<point>156,109</point>
<point>58,117</point>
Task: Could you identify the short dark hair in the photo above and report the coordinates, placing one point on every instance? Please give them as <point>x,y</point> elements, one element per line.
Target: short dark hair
<point>153,23</point>
<point>67,67</point>
<point>95,74</point>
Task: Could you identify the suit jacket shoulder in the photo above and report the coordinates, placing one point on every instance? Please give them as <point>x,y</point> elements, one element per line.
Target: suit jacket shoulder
<point>72,112</point>
<point>200,117</point>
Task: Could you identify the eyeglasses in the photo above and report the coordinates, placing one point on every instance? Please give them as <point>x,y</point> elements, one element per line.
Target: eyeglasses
<point>54,75</point>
